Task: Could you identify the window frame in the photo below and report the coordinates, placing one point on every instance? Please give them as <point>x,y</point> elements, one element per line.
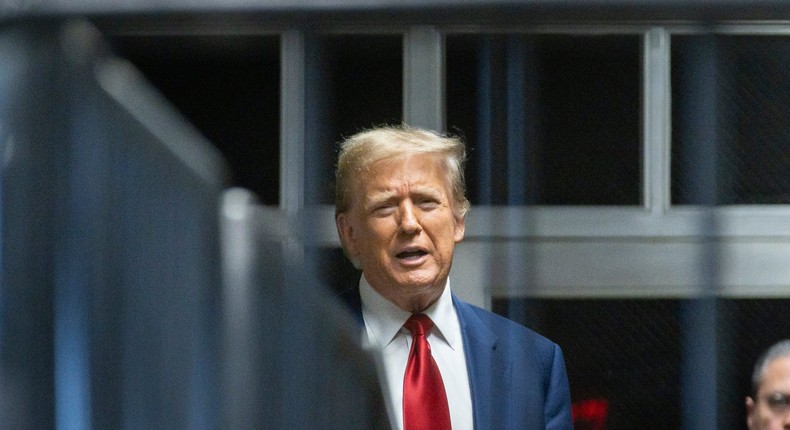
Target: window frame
<point>650,250</point>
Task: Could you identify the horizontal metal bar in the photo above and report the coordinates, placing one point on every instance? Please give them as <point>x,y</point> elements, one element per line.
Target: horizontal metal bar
<point>425,10</point>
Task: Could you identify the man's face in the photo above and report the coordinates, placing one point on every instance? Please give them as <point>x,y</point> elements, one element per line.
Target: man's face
<point>771,409</point>
<point>402,230</point>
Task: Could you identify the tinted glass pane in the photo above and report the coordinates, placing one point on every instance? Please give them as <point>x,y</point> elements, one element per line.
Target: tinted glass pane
<point>229,88</point>
<point>750,90</point>
<point>549,119</point>
<point>354,82</point>
<point>624,354</point>
<point>627,354</point>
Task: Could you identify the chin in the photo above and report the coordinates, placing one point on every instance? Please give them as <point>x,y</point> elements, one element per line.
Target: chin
<point>421,284</point>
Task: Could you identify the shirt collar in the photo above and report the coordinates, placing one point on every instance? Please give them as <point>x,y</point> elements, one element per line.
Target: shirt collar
<point>384,320</point>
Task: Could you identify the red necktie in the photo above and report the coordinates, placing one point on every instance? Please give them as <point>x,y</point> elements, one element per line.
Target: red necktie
<point>424,399</point>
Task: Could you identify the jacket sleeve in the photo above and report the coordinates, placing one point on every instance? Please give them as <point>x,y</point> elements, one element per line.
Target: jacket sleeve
<point>558,396</point>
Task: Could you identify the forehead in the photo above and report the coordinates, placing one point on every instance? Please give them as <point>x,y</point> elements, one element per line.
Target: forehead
<point>409,170</point>
<point>777,375</point>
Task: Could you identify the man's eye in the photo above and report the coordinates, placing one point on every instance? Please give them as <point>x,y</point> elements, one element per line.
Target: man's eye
<point>428,204</point>
<point>383,209</point>
<point>778,400</point>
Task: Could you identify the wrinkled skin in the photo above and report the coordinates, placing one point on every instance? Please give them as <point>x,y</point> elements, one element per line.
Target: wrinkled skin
<point>402,230</point>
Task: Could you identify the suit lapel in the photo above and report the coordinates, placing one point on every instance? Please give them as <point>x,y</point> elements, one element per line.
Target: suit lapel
<point>482,363</point>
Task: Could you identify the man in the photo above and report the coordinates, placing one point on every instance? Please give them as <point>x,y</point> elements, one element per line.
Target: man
<point>400,210</point>
<point>769,409</point>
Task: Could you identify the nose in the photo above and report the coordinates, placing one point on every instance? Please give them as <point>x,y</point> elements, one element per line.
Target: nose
<point>409,223</point>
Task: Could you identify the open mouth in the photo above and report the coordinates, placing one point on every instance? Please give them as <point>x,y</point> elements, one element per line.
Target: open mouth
<point>411,254</point>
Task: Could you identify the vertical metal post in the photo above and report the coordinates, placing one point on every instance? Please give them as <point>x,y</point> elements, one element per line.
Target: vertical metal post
<point>84,225</point>
<point>520,118</point>
<point>656,146</point>
<point>292,126</point>
<point>485,114</point>
<point>423,78</point>
<point>516,122</point>
<point>699,382</point>
<point>243,396</point>
<point>293,183</point>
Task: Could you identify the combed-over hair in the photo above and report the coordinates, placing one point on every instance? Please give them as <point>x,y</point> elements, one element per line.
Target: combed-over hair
<point>361,150</point>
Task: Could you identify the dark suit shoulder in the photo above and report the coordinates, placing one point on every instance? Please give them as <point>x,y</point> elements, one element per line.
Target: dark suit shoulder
<point>510,332</point>
<point>518,376</point>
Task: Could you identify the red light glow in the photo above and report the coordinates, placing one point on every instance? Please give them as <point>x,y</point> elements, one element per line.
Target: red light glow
<point>590,414</point>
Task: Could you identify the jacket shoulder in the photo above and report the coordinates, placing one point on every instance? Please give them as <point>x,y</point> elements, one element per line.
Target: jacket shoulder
<point>506,331</point>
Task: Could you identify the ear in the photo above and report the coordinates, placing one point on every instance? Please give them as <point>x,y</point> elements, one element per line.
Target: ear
<point>460,227</point>
<point>346,233</point>
<point>749,413</point>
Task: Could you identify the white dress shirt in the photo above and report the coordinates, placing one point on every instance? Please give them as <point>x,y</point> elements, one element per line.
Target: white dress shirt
<point>385,332</point>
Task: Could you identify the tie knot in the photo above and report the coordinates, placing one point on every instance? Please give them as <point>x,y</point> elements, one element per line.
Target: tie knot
<point>418,324</point>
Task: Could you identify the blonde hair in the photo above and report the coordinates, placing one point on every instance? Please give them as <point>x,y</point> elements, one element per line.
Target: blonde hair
<point>361,150</point>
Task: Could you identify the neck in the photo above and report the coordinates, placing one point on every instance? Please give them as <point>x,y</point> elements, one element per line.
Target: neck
<point>418,302</point>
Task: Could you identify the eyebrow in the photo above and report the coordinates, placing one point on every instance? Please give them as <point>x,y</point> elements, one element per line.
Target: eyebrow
<point>388,195</point>
<point>378,198</point>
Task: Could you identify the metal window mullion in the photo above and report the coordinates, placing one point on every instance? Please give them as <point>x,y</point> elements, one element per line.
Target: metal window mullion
<point>656,119</point>
<point>423,78</point>
<point>292,123</point>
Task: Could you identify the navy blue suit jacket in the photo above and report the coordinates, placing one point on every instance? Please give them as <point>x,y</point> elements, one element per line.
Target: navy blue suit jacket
<point>517,377</point>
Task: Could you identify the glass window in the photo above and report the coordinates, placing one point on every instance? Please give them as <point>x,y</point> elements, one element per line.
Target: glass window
<point>549,119</point>
<point>228,87</point>
<point>624,356</point>
<point>354,82</point>
<point>750,88</point>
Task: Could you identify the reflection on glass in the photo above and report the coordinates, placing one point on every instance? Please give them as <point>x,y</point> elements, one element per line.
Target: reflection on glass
<point>549,119</point>
<point>354,82</point>
<point>624,356</point>
<point>751,90</point>
<point>229,88</point>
